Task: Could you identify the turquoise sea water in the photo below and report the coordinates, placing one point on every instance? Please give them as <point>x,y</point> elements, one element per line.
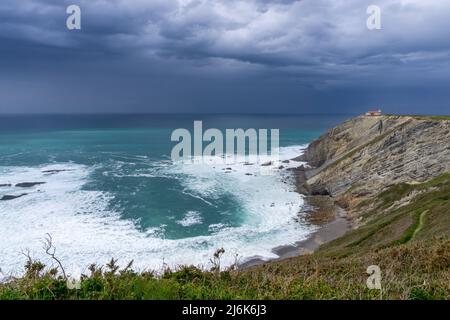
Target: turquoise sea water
<point>111,190</point>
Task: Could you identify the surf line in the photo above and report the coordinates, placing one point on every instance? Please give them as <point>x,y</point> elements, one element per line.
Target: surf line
<point>233,143</point>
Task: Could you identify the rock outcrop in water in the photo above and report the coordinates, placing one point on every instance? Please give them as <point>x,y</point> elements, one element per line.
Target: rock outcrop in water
<point>28,184</point>
<point>12,197</point>
<point>365,155</point>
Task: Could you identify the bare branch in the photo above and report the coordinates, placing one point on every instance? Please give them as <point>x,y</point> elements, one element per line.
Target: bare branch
<point>50,250</point>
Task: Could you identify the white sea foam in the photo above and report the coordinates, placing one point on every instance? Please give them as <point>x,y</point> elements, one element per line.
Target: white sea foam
<point>86,231</point>
<point>191,218</point>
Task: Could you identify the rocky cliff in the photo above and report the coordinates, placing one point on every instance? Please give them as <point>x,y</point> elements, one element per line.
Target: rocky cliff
<point>365,155</point>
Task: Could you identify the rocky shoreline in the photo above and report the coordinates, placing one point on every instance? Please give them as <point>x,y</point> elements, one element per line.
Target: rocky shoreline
<point>327,232</point>
<point>319,210</point>
<point>355,161</point>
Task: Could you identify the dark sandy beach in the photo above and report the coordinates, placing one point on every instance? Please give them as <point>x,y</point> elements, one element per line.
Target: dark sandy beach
<point>326,233</point>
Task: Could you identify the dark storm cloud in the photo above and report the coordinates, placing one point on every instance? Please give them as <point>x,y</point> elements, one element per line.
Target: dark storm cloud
<point>224,55</point>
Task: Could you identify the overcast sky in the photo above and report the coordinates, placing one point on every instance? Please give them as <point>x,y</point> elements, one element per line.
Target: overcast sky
<point>267,56</point>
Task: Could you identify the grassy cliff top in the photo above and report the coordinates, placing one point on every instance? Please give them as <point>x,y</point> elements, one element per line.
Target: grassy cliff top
<point>419,117</point>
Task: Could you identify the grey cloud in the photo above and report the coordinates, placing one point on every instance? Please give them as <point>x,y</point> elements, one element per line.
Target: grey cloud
<point>316,44</point>
<point>262,32</point>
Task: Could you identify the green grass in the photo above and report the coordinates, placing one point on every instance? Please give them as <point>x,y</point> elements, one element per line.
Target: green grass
<point>416,270</point>
<point>421,117</point>
<point>420,225</point>
<point>440,117</point>
<point>384,224</point>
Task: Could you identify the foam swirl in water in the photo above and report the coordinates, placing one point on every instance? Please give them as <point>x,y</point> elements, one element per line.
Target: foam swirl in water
<point>86,230</point>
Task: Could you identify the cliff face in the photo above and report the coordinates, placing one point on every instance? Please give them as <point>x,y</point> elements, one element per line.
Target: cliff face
<point>365,155</point>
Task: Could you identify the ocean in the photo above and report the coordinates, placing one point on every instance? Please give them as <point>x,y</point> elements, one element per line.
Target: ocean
<point>110,190</point>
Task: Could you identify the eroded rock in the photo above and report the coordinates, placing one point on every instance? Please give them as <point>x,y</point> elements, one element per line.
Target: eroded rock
<point>12,197</point>
<point>28,184</point>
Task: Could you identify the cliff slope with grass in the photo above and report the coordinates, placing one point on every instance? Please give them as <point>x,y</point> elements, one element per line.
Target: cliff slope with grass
<point>392,175</point>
